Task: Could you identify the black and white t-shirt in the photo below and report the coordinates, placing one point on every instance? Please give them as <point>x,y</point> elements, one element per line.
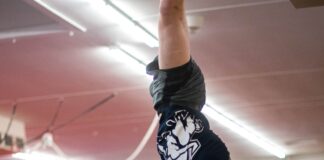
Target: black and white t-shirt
<point>184,133</point>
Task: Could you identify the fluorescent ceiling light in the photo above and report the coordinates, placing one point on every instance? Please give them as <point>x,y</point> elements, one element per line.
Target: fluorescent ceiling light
<point>33,31</point>
<point>61,15</point>
<point>36,156</point>
<point>135,53</point>
<point>243,131</point>
<point>129,25</point>
<point>126,60</point>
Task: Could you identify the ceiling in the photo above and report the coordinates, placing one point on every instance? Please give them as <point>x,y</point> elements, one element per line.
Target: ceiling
<point>263,62</point>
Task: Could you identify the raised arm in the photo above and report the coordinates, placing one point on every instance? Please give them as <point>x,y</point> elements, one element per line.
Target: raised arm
<point>173,33</point>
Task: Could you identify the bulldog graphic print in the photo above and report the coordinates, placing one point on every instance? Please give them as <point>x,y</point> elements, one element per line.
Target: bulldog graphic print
<point>177,143</point>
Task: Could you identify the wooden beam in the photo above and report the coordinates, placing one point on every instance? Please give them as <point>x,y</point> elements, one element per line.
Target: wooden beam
<point>307,3</point>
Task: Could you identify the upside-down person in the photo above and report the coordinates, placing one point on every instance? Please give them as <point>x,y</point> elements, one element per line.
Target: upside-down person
<point>178,92</point>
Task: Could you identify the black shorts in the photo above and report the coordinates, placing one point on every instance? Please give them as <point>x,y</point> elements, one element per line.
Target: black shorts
<point>184,132</point>
<point>181,86</point>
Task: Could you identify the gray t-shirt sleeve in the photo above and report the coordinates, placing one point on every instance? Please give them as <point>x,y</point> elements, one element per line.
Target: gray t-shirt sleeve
<point>181,86</point>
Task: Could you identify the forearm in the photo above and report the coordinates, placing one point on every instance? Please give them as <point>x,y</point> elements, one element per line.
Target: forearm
<point>173,34</point>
